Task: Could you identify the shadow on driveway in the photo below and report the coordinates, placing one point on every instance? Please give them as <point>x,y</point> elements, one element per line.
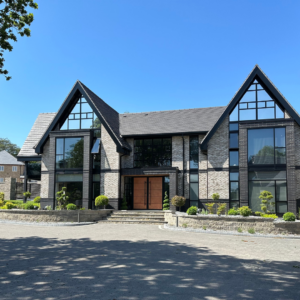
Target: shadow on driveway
<point>40,268</point>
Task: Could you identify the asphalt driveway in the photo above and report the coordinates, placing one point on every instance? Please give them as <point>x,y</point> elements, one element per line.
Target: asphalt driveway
<point>111,261</point>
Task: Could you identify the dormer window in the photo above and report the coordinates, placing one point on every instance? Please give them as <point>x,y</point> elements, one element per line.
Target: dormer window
<point>81,117</point>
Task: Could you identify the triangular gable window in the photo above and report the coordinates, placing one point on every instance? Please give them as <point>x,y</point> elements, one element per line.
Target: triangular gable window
<point>81,117</point>
<point>256,104</point>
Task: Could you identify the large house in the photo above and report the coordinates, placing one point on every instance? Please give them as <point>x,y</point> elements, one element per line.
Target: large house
<point>238,150</point>
<point>10,167</point>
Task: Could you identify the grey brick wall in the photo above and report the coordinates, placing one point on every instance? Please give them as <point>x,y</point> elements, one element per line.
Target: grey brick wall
<point>127,160</point>
<point>110,169</point>
<point>8,188</point>
<point>218,182</point>
<point>218,155</point>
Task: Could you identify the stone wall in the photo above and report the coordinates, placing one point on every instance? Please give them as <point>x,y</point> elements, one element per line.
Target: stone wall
<point>260,225</point>
<point>8,188</point>
<point>54,215</point>
<point>110,169</point>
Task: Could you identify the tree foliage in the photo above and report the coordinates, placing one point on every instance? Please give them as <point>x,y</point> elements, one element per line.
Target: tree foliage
<point>13,20</point>
<point>266,206</point>
<point>7,145</point>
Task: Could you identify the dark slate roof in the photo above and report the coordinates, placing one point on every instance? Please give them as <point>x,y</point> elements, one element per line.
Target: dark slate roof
<point>38,129</point>
<point>170,121</point>
<point>7,159</point>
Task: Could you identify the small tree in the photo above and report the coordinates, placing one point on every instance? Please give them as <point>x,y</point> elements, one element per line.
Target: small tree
<point>178,201</point>
<point>210,207</point>
<point>166,205</point>
<point>124,203</point>
<point>266,206</point>
<point>221,208</point>
<point>62,198</point>
<point>215,196</point>
<point>26,195</point>
<point>101,201</point>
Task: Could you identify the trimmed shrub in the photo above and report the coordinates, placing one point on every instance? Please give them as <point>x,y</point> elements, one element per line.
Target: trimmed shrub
<point>71,206</point>
<point>289,217</point>
<point>178,201</point>
<point>166,205</point>
<point>192,210</point>
<point>14,201</point>
<point>37,199</point>
<point>266,206</point>
<point>1,202</point>
<point>2,196</point>
<point>101,201</point>
<point>10,205</point>
<point>245,211</point>
<point>258,213</point>
<point>221,208</point>
<point>62,198</point>
<point>28,205</point>
<point>233,212</point>
<point>273,216</point>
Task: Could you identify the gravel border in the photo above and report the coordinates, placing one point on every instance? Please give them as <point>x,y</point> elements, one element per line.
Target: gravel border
<point>209,231</point>
<point>12,222</point>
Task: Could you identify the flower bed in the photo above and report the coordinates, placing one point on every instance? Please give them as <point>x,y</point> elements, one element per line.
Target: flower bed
<point>233,223</point>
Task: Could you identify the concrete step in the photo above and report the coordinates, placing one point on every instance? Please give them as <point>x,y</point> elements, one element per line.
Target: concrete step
<point>153,212</point>
<point>133,215</point>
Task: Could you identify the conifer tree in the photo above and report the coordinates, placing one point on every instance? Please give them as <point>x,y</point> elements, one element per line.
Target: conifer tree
<point>166,205</point>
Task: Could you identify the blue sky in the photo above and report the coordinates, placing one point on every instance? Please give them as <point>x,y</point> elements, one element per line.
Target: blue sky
<point>148,55</point>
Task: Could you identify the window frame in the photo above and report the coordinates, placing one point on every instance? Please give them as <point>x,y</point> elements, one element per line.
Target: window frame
<point>194,172</point>
<point>14,169</point>
<point>275,165</point>
<point>141,153</point>
<point>2,180</point>
<point>1,168</point>
<point>191,138</point>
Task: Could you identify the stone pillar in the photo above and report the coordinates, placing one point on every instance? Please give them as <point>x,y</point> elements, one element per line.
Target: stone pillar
<point>25,178</point>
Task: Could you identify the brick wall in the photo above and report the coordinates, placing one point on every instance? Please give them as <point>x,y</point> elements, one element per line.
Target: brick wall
<point>127,160</point>
<point>9,173</point>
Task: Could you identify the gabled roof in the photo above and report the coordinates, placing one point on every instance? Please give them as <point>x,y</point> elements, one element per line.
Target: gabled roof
<point>7,159</point>
<point>183,121</point>
<point>108,116</point>
<point>38,129</point>
<point>258,74</point>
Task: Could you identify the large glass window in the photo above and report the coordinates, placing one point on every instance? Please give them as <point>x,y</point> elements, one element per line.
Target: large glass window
<point>256,104</point>
<point>152,152</point>
<point>81,117</point>
<point>194,189</point>
<point>194,152</point>
<point>272,181</point>
<point>69,153</point>
<point>266,146</point>
<point>73,183</point>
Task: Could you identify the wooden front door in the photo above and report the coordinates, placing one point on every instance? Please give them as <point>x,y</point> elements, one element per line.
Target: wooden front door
<point>140,193</point>
<point>147,192</point>
<point>155,193</point>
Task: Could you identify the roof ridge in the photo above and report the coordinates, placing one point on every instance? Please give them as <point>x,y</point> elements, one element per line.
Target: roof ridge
<point>146,112</point>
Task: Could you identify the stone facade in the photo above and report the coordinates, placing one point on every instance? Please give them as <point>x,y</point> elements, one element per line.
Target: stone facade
<point>8,188</point>
<point>222,223</point>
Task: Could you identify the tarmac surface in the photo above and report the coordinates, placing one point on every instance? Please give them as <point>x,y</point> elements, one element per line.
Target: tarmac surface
<point>119,261</point>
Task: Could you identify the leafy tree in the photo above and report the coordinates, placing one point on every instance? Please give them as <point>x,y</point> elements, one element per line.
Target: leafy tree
<point>6,144</point>
<point>13,19</point>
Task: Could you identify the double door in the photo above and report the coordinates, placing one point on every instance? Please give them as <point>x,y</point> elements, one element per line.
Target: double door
<point>147,192</point>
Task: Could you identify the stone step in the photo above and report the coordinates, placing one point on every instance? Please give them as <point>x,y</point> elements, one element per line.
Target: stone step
<point>136,218</point>
<point>139,215</point>
<point>134,222</point>
<point>139,212</point>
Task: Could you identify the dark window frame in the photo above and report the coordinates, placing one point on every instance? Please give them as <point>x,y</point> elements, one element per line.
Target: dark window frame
<point>149,161</point>
<point>193,138</point>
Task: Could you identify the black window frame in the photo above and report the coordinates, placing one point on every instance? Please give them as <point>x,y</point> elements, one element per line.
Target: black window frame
<point>145,162</point>
<point>194,172</point>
